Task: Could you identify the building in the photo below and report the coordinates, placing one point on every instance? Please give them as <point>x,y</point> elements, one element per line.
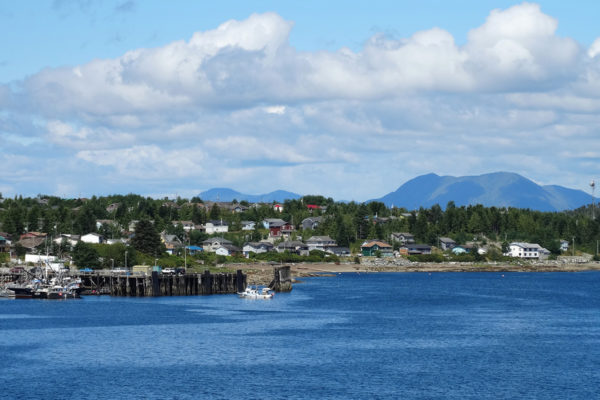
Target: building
<point>564,245</point>
<point>402,237</point>
<point>447,243</point>
<point>187,225</point>
<point>92,238</point>
<point>415,249</point>
<point>227,250</point>
<point>256,247</point>
<point>311,222</point>
<point>212,244</point>
<point>293,246</point>
<point>248,225</point>
<point>320,243</point>
<point>216,227</point>
<point>339,251</point>
<point>375,247</point>
<point>67,238</point>
<point>524,250</point>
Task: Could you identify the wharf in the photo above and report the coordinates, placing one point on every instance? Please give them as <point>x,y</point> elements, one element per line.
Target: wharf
<point>123,284</point>
<point>157,284</point>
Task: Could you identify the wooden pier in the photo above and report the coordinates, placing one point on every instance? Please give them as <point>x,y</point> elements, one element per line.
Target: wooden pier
<point>164,285</point>
<point>157,284</point>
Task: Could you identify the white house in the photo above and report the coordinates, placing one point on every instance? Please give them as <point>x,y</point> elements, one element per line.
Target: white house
<point>70,239</point>
<point>187,225</point>
<point>524,250</point>
<point>216,227</point>
<point>227,250</point>
<point>564,245</point>
<point>212,244</point>
<point>92,238</point>
<point>248,225</point>
<point>320,243</point>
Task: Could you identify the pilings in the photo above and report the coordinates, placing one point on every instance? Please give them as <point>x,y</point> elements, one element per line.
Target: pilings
<point>282,279</point>
<point>166,285</point>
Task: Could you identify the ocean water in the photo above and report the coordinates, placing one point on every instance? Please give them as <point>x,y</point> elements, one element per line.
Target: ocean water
<point>352,336</point>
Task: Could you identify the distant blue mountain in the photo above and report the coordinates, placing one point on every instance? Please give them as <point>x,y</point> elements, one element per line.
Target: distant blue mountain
<point>500,189</point>
<point>226,194</point>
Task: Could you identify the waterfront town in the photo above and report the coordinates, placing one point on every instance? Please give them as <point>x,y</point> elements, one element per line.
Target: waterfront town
<point>136,234</point>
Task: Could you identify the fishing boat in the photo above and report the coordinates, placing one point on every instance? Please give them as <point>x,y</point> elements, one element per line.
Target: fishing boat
<point>256,293</point>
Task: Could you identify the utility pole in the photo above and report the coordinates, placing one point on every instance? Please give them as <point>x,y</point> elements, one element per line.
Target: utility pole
<point>573,246</point>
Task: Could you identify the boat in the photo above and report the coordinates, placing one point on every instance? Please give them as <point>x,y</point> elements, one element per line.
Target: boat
<point>256,293</point>
<point>6,292</point>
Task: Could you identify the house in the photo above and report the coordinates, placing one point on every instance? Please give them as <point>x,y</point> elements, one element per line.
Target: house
<point>92,238</point>
<point>29,235</point>
<point>414,249</point>
<point>402,237</point>
<point>372,247</point>
<point>116,241</point>
<point>187,225</point>
<point>256,247</point>
<point>447,243</point>
<point>312,207</point>
<point>68,238</point>
<point>112,207</point>
<point>524,250</point>
<point>462,249</point>
<point>237,208</point>
<point>216,227</point>
<point>192,250</point>
<point>172,243</point>
<point>293,246</point>
<point>109,222</point>
<point>227,250</point>
<point>30,243</point>
<point>248,225</point>
<point>564,245</point>
<point>212,244</point>
<point>320,243</point>
<point>268,221</point>
<point>311,222</point>
<point>339,251</point>
<point>280,229</point>
<point>278,207</point>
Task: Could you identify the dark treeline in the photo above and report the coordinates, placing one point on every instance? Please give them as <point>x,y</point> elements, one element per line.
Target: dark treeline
<point>348,223</point>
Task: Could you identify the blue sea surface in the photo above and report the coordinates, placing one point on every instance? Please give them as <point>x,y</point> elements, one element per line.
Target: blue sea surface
<point>351,336</point>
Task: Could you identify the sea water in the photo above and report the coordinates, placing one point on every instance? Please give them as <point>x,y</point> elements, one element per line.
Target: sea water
<point>350,336</point>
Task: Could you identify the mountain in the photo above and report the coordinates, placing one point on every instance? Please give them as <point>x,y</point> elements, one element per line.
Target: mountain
<point>499,189</point>
<point>226,194</point>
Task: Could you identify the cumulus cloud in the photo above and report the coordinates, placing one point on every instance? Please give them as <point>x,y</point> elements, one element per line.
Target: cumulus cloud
<point>239,102</point>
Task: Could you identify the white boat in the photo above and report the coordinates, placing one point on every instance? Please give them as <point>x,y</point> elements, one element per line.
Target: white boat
<point>256,293</point>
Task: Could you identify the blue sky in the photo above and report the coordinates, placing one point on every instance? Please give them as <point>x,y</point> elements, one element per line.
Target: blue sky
<point>345,100</point>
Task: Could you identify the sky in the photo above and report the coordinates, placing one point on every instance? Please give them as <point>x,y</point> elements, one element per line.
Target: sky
<point>344,99</point>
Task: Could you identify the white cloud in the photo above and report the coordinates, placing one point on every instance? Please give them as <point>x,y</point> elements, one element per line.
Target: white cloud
<point>237,103</point>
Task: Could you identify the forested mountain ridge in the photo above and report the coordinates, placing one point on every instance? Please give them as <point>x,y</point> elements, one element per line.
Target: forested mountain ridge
<point>498,189</point>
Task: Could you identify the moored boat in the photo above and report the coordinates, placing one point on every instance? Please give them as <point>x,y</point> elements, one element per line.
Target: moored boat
<point>256,293</point>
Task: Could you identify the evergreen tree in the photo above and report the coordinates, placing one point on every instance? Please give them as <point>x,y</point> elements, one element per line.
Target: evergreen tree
<point>85,256</point>
<point>146,239</point>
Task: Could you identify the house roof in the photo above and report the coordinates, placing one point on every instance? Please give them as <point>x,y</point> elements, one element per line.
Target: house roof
<point>320,239</point>
<point>292,244</point>
<point>446,240</point>
<point>217,240</point>
<point>372,243</point>
<point>526,245</point>
<point>417,247</point>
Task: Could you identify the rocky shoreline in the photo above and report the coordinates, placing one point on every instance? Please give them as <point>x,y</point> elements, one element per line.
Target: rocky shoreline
<point>262,274</point>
